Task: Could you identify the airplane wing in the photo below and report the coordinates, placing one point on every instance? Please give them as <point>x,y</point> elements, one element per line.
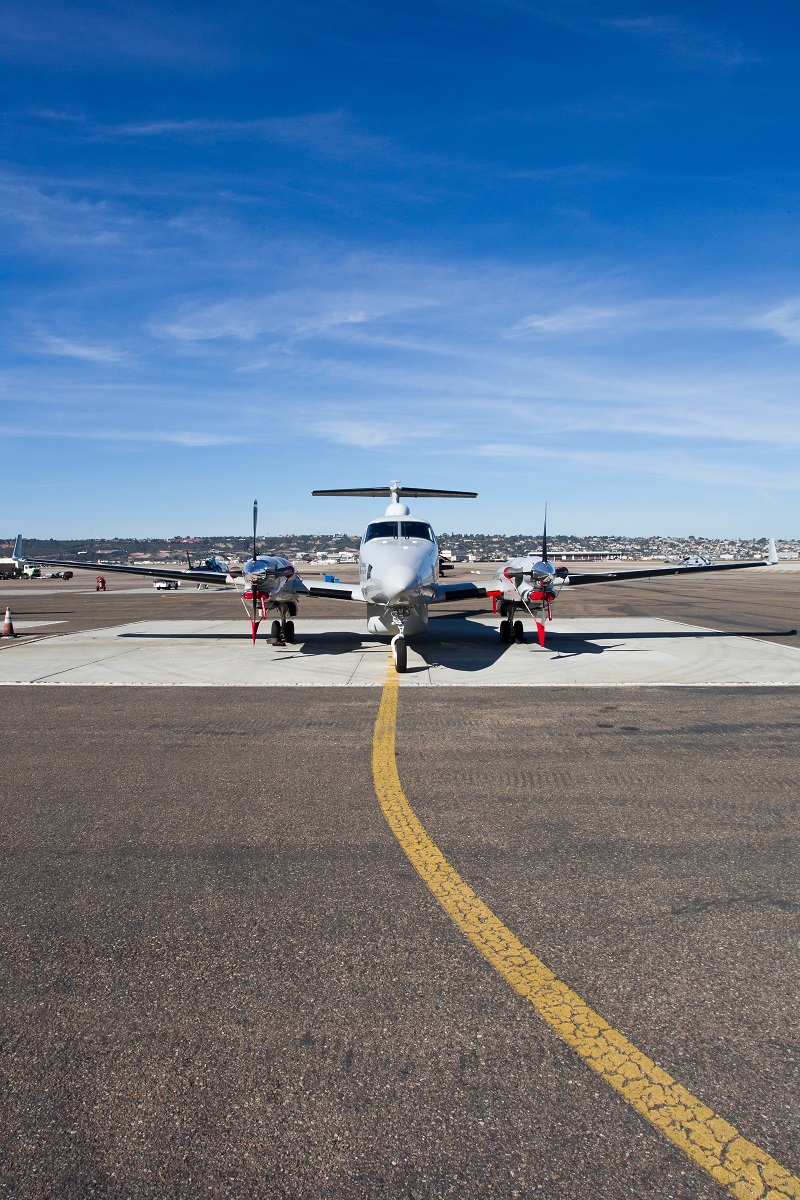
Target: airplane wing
<point>196,575</point>
<point>465,590</point>
<point>654,572</point>
<point>333,591</point>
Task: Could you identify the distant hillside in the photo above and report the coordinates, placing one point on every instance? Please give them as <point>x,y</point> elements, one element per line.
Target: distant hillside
<point>481,545</point>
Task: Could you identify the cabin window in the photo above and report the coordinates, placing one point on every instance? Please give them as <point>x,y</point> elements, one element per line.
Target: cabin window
<point>381,529</point>
<point>417,529</point>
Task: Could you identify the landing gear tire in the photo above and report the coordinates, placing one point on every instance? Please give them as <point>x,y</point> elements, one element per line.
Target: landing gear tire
<point>505,631</point>
<point>519,632</point>
<point>400,652</point>
<point>288,631</point>
<point>275,629</point>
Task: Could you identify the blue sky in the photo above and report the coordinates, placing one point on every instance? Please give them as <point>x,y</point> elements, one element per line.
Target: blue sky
<point>538,250</point>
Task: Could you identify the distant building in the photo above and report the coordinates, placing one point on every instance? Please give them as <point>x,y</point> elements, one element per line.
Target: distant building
<point>585,555</point>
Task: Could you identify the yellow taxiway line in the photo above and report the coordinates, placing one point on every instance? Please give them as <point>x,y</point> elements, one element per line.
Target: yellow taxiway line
<point>747,1172</point>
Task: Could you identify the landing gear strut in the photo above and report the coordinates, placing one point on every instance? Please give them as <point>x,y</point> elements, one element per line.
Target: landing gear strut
<point>399,648</point>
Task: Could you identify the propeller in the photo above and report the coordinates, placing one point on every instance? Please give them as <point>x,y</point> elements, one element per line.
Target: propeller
<point>255,620</point>
<point>544,536</point>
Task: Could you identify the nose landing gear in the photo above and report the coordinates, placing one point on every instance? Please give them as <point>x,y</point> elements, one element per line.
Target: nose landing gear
<point>399,648</point>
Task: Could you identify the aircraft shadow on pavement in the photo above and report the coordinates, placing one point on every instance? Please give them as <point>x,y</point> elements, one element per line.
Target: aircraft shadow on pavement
<point>468,646</point>
<point>338,642</point>
<point>483,646</point>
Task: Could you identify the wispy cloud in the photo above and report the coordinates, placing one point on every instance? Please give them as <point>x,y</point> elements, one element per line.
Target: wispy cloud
<point>293,315</point>
<point>327,134</point>
<point>52,216</point>
<point>689,41</point>
<point>364,434</point>
<point>65,348</point>
<point>88,433</point>
<point>783,321</point>
<point>684,468</point>
<point>576,318</point>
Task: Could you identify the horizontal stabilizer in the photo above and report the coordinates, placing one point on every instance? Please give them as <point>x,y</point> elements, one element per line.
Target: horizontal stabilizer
<point>398,491</point>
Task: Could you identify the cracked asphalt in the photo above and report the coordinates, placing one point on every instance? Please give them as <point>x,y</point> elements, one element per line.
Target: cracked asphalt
<point>224,979</point>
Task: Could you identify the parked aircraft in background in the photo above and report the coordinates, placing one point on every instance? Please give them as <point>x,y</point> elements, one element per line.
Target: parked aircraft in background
<point>13,566</point>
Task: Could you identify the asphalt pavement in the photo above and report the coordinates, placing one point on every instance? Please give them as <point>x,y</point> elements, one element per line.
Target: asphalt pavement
<point>223,978</point>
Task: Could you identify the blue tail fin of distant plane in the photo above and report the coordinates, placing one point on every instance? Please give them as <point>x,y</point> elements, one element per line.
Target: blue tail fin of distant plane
<point>18,548</point>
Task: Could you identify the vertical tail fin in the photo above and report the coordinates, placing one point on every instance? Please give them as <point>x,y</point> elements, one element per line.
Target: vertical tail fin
<point>772,555</point>
<point>18,548</point>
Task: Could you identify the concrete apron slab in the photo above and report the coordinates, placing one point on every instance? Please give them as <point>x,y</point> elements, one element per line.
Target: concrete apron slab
<point>455,652</point>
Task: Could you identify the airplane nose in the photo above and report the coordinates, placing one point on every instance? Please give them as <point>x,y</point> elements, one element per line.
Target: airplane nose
<point>398,580</point>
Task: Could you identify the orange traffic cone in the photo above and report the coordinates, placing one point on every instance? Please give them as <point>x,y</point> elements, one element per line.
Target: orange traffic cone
<point>8,625</point>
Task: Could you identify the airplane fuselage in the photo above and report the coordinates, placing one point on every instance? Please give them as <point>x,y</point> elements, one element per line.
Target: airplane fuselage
<point>398,573</point>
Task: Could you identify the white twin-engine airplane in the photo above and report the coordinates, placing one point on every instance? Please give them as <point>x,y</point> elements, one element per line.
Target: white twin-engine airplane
<point>399,568</point>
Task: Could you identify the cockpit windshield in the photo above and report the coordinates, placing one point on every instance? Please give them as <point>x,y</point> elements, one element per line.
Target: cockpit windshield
<point>416,529</point>
<point>381,529</point>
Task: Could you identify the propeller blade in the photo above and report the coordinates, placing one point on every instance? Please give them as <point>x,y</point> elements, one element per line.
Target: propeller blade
<point>544,536</point>
<point>255,525</point>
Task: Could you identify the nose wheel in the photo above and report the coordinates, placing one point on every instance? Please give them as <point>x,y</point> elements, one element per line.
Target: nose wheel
<point>400,653</point>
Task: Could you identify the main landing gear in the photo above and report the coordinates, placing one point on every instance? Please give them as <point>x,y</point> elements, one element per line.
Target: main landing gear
<point>281,631</point>
<point>513,631</point>
<point>510,630</point>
